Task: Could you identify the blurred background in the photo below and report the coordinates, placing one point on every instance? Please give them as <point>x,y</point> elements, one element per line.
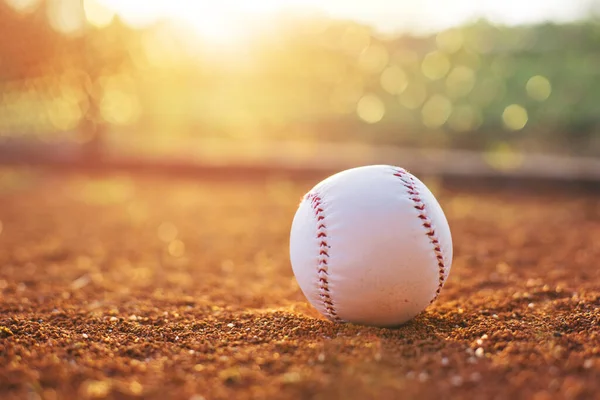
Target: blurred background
<point>449,87</point>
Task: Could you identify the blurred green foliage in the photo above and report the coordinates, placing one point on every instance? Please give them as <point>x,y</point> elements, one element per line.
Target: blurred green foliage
<point>480,86</point>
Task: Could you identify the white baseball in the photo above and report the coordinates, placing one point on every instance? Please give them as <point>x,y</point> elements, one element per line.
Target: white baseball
<point>370,245</point>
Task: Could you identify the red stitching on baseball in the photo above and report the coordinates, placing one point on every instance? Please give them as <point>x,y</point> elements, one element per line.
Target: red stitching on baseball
<point>323,267</point>
<point>409,183</point>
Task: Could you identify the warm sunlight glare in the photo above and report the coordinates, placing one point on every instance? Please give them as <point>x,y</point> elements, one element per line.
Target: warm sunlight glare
<point>233,19</point>
<point>221,22</point>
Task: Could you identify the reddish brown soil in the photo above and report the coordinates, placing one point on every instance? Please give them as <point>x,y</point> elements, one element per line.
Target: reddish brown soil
<point>137,287</point>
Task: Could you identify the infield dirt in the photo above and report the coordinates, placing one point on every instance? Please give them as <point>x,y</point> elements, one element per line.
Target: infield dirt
<point>131,287</point>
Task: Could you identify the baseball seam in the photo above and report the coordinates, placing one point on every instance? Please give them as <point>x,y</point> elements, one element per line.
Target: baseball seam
<point>414,195</point>
<point>323,258</point>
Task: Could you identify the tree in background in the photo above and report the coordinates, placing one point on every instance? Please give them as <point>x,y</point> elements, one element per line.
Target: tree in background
<point>95,81</point>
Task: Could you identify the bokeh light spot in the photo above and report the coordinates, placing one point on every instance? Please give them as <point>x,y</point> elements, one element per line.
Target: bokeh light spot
<point>66,16</point>
<point>460,81</point>
<point>370,108</point>
<point>97,14</point>
<point>450,41</point>
<point>435,111</point>
<point>176,248</point>
<point>538,88</point>
<point>373,59</point>
<point>435,65</point>
<point>119,104</point>
<point>394,80</point>
<point>120,108</point>
<point>414,95</point>
<point>64,114</point>
<point>515,117</point>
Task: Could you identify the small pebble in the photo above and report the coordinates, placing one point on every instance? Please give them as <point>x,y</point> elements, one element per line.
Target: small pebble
<point>85,335</point>
<point>230,325</point>
<point>479,352</point>
<point>445,361</point>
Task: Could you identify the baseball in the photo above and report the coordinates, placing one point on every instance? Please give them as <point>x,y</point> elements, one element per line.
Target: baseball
<point>370,245</point>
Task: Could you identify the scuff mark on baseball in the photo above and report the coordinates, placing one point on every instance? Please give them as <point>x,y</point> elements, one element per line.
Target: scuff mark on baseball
<point>370,245</point>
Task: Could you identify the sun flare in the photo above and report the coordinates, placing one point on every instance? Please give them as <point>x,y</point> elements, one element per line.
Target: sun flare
<point>227,21</point>
<point>216,27</point>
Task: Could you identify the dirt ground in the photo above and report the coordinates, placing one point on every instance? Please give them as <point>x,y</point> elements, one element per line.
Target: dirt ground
<point>132,287</point>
